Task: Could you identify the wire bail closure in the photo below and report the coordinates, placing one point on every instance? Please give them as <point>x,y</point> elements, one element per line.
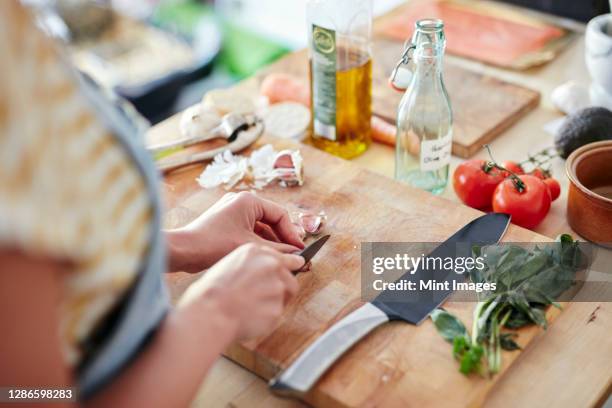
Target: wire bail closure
<point>404,60</point>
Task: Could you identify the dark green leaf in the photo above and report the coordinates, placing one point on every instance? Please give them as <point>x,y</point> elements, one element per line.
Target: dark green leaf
<point>449,326</point>
<point>517,319</point>
<point>538,317</point>
<point>530,267</point>
<point>506,340</point>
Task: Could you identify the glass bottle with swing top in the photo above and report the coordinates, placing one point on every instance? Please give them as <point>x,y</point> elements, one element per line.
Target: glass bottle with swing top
<point>424,119</point>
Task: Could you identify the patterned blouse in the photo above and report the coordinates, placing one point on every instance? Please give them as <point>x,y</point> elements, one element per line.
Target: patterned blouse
<point>68,189</point>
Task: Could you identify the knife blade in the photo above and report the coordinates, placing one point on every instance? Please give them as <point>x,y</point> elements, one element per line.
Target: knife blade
<point>304,372</point>
<point>311,250</point>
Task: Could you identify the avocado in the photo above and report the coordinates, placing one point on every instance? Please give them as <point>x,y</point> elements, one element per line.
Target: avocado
<point>582,127</point>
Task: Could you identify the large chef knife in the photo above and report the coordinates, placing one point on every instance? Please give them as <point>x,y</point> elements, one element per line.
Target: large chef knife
<point>300,376</point>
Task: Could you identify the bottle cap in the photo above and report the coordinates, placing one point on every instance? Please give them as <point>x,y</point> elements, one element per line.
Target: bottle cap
<point>401,75</point>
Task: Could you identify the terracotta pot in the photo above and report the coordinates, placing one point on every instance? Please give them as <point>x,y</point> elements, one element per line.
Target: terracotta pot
<point>589,202</point>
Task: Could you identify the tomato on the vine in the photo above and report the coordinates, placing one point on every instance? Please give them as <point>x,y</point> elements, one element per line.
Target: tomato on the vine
<point>527,204</point>
<point>513,167</point>
<point>554,188</point>
<point>540,173</point>
<point>474,182</point>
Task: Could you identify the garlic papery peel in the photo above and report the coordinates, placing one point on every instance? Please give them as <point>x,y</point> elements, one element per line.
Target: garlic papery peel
<point>257,171</point>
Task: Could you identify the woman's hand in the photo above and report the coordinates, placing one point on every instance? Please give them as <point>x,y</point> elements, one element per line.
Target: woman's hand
<point>236,219</point>
<point>249,288</point>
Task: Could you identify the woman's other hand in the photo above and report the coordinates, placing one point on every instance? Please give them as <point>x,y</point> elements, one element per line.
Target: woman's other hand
<point>236,219</point>
<point>249,288</point>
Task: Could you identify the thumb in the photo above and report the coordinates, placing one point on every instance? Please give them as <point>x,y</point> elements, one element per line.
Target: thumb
<point>293,262</point>
<point>278,246</point>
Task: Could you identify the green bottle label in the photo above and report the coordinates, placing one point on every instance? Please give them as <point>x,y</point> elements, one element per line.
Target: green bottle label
<point>324,81</point>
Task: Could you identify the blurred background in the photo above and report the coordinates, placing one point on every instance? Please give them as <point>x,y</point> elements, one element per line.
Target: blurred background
<point>162,55</point>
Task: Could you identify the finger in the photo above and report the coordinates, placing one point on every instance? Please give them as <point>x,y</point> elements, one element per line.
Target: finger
<point>277,246</point>
<point>291,284</point>
<point>278,218</point>
<point>289,260</point>
<point>265,231</point>
<point>293,262</point>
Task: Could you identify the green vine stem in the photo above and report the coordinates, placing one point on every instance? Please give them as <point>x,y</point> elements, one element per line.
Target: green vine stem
<point>518,183</point>
<point>540,159</point>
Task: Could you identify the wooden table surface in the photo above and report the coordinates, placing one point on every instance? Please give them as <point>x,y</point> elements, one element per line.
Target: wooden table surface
<point>568,365</point>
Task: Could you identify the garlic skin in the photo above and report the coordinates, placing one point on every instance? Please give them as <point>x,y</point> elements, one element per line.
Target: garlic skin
<point>288,168</point>
<point>264,166</point>
<point>225,168</point>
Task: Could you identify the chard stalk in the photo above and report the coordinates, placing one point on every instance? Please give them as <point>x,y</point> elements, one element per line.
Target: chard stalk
<point>496,340</point>
<point>497,365</point>
<point>482,311</point>
<point>475,321</point>
<point>494,357</point>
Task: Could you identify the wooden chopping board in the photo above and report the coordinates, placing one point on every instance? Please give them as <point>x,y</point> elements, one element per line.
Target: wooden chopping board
<point>398,365</point>
<point>483,107</point>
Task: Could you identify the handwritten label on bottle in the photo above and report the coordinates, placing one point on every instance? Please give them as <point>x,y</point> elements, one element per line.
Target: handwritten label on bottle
<point>436,154</point>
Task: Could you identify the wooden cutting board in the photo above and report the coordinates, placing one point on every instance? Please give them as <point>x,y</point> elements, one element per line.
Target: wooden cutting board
<point>397,365</point>
<point>483,107</point>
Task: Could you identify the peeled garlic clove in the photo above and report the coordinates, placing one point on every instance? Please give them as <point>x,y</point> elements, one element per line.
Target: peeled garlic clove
<point>311,223</point>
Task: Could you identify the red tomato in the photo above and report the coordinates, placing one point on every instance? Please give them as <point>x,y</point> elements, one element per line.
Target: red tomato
<point>473,185</point>
<point>554,188</point>
<point>512,166</point>
<point>528,207</point>
<point>541,174</point>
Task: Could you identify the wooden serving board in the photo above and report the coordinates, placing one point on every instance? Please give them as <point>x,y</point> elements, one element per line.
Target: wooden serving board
<point>483,107</point>
<point>398,365</point>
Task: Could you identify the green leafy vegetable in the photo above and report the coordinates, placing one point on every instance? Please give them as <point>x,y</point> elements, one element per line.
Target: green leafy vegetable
<point>507,342</point>
<point>527,282</point>
<point>449,327</point>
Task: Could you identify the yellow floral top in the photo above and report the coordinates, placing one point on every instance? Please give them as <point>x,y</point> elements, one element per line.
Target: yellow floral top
<point>68,190</point>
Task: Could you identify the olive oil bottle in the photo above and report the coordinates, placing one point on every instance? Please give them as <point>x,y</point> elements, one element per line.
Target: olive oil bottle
<point>340,75</point>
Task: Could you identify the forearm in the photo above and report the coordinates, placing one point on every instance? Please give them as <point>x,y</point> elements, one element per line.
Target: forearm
<point>181,256</point>
<point>170,370</point>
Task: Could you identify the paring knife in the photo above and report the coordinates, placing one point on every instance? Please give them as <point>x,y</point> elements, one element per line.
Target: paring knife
<point>311,250</point>
<point>302,374</point>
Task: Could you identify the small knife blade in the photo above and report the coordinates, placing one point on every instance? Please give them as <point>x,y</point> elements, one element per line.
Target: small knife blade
<point>309,366</point>
<point>311,250</point>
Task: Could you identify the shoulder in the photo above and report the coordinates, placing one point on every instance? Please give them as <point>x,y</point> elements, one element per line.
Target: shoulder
<point>69,190</point>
